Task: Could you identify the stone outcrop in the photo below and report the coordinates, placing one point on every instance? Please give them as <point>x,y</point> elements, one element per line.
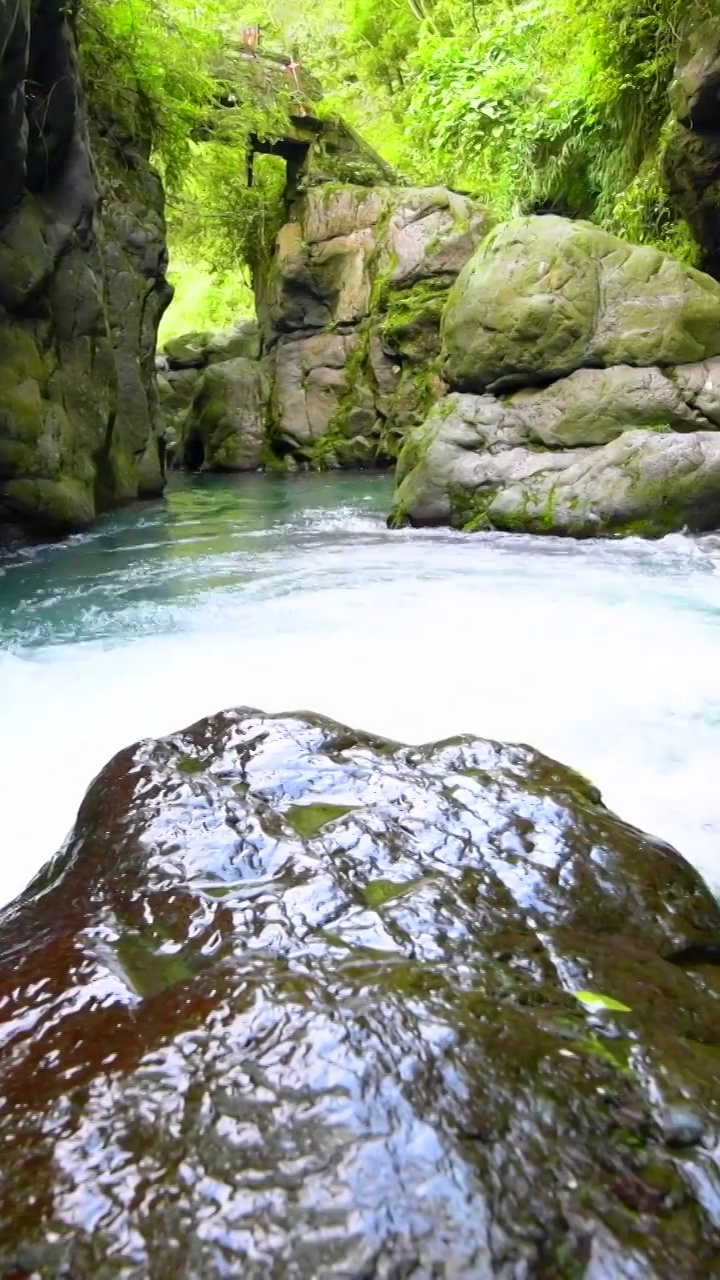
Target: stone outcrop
<point>180,375</point>
<point>82,287</point>
<point>545,296</point>
<point>349,308</point>
<point>225,427</point>
<point>297,1001</point>
<point>692,156</point>
<point>620,439</point>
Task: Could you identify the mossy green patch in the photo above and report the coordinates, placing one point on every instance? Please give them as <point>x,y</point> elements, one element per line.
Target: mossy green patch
<point>377,892</point>
<point>308,819</point>
<point>191,764</point>
<point>149,970</point>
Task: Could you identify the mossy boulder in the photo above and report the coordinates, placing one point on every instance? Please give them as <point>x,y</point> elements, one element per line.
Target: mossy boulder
<point>226,424</point>
<point>197,349</point>
<point>544,296</point>
<point>604,451</point>
<point>297,1001</point>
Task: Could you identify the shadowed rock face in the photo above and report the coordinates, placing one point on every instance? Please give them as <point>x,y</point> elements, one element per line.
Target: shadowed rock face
<point>296,1002</point>
<point>82,287</point>
<point>692,156</point>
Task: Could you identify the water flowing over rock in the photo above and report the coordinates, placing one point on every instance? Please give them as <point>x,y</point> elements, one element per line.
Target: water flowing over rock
<point>604,361</point>
<point>82,287</point>
<point>294,1001</point>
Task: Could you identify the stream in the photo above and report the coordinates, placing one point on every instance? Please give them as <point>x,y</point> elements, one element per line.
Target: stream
<point>288,593</point>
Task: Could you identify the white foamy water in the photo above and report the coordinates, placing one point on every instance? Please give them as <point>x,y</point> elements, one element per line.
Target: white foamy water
<point>287,595</point>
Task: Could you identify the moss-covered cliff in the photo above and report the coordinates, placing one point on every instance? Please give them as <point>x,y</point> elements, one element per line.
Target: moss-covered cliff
<point>82,286</point>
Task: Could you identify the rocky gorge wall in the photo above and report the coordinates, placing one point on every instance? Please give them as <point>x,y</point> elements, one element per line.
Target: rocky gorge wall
<point>82,287</point>
<point>343,359</point>
<point>692,157</point>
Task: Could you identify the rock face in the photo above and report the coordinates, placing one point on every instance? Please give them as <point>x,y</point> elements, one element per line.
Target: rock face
<point>349,307</point>
<point>620,439</point>
<point>692,158</point>
<point>82,287</point>
<point>225,427</point>
<point>298,1002</point>
<point>191,404</point>
<point>544,296</point>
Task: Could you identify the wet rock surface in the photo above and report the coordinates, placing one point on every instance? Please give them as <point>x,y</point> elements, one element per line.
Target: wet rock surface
<point>294,1001</point>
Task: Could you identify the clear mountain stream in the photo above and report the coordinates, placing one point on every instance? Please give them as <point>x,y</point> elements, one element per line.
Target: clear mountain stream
<point>291,593</point>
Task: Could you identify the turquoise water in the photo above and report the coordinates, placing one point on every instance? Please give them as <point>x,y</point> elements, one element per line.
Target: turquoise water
<point>291,593</point>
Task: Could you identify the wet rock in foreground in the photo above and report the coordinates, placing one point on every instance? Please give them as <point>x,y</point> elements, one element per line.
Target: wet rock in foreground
<point>296,1002</point>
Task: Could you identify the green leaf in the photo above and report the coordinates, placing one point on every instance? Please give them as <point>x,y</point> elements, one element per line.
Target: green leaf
<point>594,1000</point>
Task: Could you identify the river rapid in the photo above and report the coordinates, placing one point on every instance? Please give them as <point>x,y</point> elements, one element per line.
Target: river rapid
<point>291,593</point>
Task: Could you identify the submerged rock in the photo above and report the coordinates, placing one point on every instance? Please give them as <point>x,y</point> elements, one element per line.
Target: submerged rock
<point>294,1001</point>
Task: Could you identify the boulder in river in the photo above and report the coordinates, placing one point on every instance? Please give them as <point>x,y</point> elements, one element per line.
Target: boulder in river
<point>224,429</point>
<point>296,1001</point>
<point>591,427</point>
<point>544,296</point>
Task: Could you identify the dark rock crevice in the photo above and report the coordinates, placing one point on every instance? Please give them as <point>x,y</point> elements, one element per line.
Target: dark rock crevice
<point>692,156</point>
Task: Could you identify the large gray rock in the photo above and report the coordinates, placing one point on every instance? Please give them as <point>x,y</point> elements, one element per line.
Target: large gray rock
<point>362,271</point>
<point>210,346</point>
<point>544,296</point>
<point>225,426</point>
<point>567,459</point>
<point>82,287</point>
<point>642,483</point>
<point>294,1001</point>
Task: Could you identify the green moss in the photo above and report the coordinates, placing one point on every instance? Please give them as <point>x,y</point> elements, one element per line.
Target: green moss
<point>59,506</point>
<point>191,764</point>
<point>412,313</point>
<point>308,819</point>
<point>147,969</point>
<point>377,892</point>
